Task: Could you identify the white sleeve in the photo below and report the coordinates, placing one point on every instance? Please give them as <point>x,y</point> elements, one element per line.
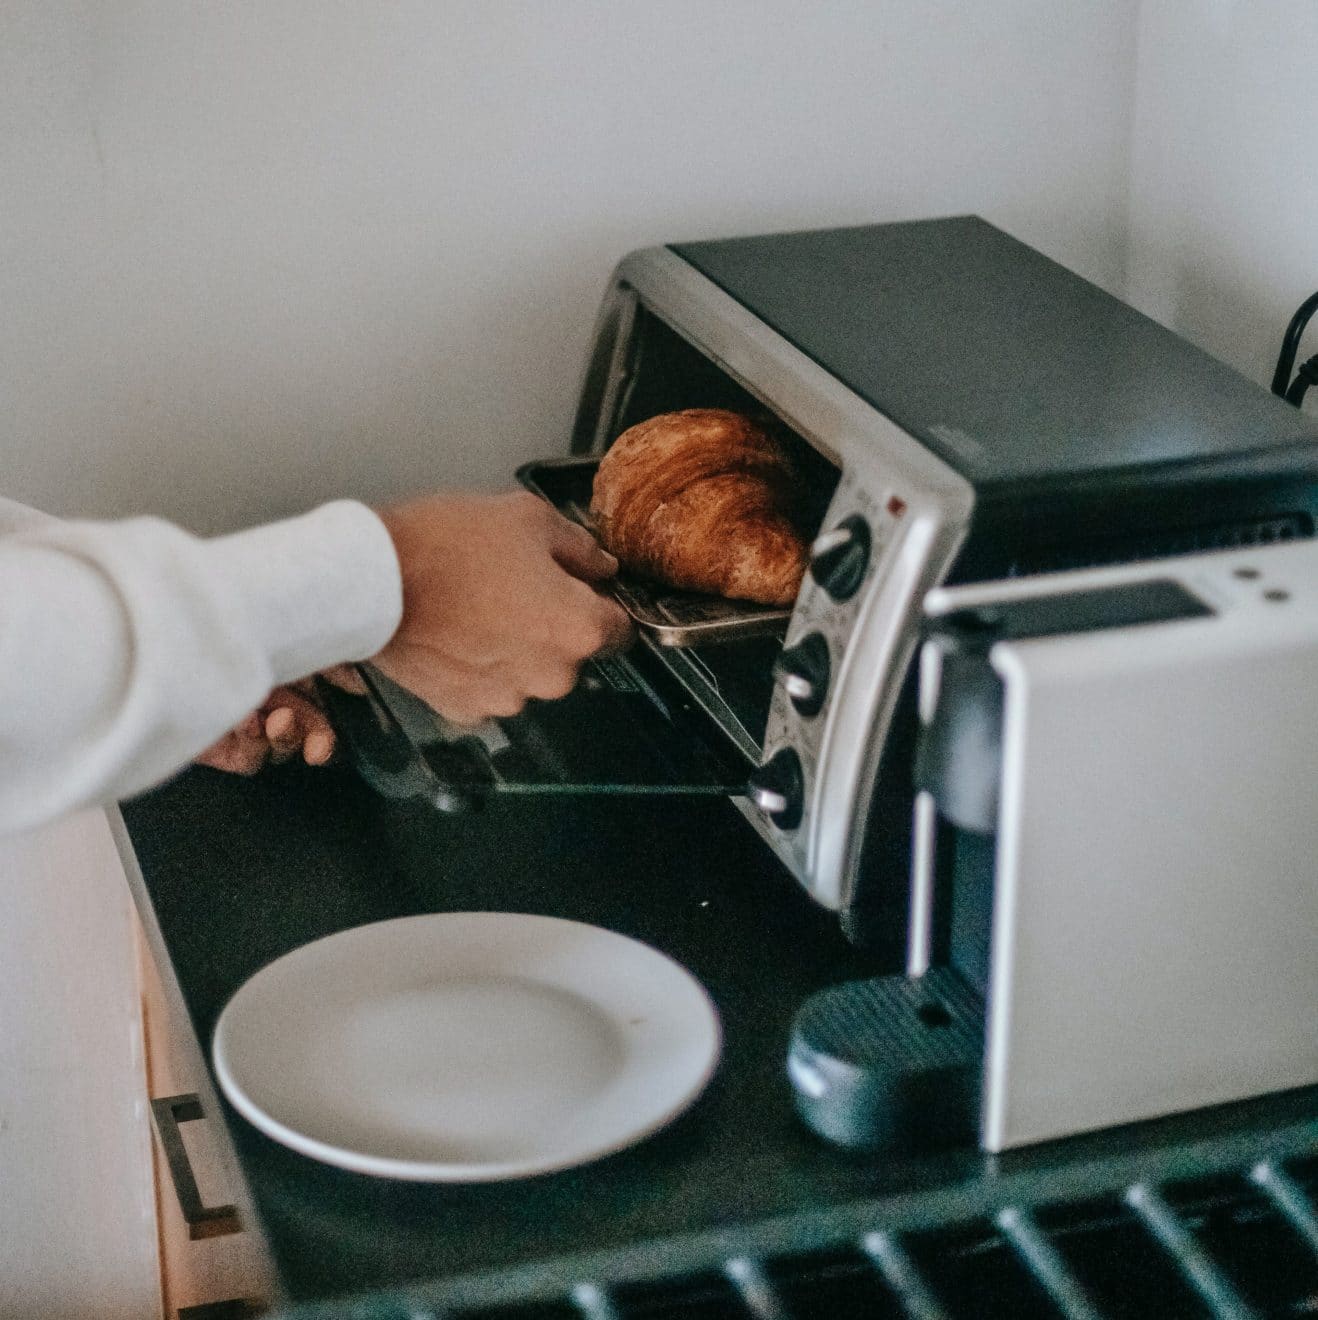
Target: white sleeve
<point>128,648</point>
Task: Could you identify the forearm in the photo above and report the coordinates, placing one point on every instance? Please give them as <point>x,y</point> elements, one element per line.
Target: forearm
<point>128,648</point>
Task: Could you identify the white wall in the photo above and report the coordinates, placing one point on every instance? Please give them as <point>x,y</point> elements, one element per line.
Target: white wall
<point>257,254</point>
<point>1224,183</point>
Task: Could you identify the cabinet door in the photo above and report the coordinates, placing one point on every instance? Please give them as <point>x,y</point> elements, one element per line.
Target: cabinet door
<point>77,1214</point>
<point>207,1257</point>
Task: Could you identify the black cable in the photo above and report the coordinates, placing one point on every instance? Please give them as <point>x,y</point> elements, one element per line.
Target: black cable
<point>1306,376</point>
<point>1290,345</point>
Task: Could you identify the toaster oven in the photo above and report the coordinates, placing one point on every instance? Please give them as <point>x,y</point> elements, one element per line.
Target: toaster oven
<point>963,409</point>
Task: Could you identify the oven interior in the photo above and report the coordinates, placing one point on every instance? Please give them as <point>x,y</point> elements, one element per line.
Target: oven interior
<point>731,678</point>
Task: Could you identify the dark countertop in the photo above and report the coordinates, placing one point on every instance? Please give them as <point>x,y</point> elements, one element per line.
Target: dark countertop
<point>239,872</point>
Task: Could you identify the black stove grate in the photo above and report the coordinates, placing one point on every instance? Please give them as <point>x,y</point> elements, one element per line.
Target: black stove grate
<point>1243,1244</point>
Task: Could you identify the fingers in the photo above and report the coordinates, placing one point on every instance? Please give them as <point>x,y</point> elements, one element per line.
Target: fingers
<point>572,623</point>
<point>463,699</point>
<point>318,747</point>
<point>619,630</point>
<point>579,553</point>
<point>591,624</point>
<point>240,752</point>
<point>286,723</point>
<point>281,731</point>
<point>548,682</point>
<point>500,604</point>
<point>293,723</point>
<point>594,624</point>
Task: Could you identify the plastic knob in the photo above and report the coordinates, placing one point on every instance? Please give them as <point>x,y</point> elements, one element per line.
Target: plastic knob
<point>804,670</point>
<point>839,558</point>
<point>778,789</point>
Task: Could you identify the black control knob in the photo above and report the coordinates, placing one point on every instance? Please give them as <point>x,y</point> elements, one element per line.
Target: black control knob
<point>778,789</point>
<point>804,669</point>
<point>839,557</point>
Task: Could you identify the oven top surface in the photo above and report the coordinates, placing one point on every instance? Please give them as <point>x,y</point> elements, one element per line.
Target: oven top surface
<point>1008,366</point>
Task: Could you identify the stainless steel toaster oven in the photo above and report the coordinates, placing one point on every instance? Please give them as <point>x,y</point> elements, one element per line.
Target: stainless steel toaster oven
<point>964,409</point>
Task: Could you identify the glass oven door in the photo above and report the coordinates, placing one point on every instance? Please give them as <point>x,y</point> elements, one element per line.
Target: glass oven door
<point>621,731</point>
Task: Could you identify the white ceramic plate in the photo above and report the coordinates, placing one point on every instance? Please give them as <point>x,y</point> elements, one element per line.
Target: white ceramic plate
<point>466,1047</point>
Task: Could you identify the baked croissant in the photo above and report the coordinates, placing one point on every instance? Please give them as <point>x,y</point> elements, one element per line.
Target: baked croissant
<point>703,499</point>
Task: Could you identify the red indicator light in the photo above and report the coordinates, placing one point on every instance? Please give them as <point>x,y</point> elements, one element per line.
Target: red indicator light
<point>896,505</point>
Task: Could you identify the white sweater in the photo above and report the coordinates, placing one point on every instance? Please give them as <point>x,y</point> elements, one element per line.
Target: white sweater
<point>128,648</point>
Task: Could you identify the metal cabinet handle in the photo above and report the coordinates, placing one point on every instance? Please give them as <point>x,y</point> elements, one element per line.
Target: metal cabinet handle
<point>203,1221</point>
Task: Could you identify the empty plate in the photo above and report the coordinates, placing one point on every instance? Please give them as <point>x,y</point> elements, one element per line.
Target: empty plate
<point>467,1046</point>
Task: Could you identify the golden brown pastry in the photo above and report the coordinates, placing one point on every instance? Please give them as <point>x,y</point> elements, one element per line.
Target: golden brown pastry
<point>703,499</point>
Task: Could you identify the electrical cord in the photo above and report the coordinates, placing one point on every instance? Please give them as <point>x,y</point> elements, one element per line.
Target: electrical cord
<point>1290,346</point>
<point>1306,376</point>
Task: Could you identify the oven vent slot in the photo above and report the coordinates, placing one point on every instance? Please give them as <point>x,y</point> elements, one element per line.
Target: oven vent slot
<point>1159,545</point>
<point>1242,1244</point>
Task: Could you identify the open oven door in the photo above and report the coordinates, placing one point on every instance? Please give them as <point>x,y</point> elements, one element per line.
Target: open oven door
<point>619,731</point>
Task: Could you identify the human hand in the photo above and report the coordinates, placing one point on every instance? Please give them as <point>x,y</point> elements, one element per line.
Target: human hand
<point>287,722</point>
<point>498,603</point>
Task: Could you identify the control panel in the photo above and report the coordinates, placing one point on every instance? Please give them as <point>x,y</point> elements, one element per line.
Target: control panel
<point>851,548</point>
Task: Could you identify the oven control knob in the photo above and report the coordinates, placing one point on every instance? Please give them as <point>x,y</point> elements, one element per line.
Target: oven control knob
<point>778,789</point>
<point>804,670</point>
<point>839,557</point>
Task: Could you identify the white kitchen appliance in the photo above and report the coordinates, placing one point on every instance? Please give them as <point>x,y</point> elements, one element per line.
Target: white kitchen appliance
<point>1115,871</point>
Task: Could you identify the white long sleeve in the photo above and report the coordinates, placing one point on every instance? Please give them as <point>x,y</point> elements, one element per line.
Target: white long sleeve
<point>127,648</point>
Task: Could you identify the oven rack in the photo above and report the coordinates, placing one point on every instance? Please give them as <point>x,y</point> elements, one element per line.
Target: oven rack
<point>1234,1242</point>
<point>705,687</point>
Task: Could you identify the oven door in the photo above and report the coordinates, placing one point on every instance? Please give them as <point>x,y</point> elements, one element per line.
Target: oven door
<point>621,731</point>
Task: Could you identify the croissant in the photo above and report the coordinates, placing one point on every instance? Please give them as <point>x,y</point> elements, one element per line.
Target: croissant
<point>703,499</point>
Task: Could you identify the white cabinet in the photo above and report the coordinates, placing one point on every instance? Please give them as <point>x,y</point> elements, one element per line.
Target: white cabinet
<point>77,1214</point>
<point>90,1033</point>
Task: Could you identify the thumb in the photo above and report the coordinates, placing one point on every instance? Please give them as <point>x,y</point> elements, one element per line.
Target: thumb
<point>577,552</point>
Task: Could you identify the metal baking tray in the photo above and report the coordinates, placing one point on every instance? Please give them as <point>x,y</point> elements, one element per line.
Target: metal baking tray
<point>669,616</point>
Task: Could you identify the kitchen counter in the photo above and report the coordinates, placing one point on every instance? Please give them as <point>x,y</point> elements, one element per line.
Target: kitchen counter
<point>234,873</point>
<point>241,871</point>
